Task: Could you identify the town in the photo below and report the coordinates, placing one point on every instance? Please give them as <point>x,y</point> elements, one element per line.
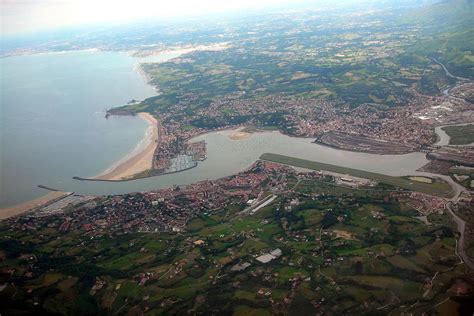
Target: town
<point>267,235</point>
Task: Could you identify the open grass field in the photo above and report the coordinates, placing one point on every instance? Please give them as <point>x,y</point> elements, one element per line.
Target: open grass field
<point>460,135</point>
<point>332,248</point>
<point>436,188</point>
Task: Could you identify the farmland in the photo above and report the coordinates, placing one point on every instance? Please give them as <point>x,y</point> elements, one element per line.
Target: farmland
<point>318,247</point>
<point>460,135</point>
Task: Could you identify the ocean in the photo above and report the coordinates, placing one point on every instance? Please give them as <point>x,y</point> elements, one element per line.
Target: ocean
<point>52,118</point>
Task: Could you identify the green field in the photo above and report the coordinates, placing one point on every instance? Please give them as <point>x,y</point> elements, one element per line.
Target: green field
<point>332,247</point>
<point>460,135</point>
<point>436,188</point>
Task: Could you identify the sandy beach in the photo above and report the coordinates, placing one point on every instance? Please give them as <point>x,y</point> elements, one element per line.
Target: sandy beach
<point>27,206</point>
<point>139,162</point>
<point>182,50</point>
<point>142,160</point>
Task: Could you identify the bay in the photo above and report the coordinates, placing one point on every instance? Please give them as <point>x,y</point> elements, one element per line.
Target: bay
<point>52,118</point>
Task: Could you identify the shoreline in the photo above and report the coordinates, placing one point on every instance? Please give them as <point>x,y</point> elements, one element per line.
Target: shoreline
<point>139,162</point>
<point>180,50</point>
<point>122,172</point>
<point>19,209</point>
<point>141,158</point>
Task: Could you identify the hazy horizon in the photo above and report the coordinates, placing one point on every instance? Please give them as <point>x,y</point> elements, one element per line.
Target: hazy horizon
<point>28,17</point>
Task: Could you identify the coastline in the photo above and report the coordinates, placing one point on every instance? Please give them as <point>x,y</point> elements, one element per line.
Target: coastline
<point>181,50</point>
<point>24,207</point>
<point>142,161</point>
<point>139,162</point>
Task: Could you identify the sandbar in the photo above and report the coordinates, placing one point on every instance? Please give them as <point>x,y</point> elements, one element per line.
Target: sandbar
<point>239,135</point>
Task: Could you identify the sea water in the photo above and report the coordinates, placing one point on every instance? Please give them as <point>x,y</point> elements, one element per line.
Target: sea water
<point>52,118</point>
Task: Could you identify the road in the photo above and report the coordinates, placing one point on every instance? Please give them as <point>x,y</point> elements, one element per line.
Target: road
<point>447,72</point>
<point>447,91</point>
<point>461,249</point>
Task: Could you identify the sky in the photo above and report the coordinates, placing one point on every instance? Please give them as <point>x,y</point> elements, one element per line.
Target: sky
<point>26,16</point>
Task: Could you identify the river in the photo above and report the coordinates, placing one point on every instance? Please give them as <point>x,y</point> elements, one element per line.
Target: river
<point>227,157</point>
